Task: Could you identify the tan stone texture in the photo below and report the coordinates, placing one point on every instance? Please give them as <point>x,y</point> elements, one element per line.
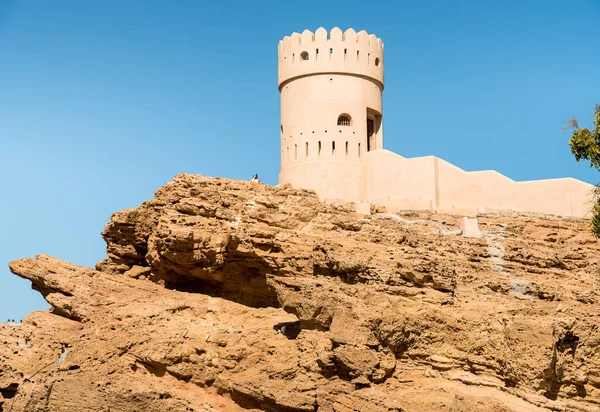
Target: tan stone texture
<point>226,295</point>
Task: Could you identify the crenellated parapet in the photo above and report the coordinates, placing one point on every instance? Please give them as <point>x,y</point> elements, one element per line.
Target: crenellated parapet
<point>335,52</point>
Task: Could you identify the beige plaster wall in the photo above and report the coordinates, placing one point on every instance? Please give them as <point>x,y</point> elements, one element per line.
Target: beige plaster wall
<point>310,107</point>
<point>490,191</point>
<point>471,192</point>
<point>566,197</point>
<point>331,180</point>
<point>400,184</point>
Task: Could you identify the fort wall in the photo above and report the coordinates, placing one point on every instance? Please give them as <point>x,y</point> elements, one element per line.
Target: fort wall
<point>433,184</point>
<point>399,183</point>
<point>331,136</point>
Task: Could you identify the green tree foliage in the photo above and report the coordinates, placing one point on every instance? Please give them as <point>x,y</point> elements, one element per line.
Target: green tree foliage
<point>585,144</point>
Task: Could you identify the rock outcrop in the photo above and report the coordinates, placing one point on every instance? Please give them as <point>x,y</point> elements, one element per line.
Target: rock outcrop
<point>229,295</point>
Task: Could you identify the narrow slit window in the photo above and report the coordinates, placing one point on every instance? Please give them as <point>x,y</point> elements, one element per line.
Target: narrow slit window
<point>295,152</point>
<point>333,148</point>
<point>319,153</point>
<point>359,150</point>
<point>358,56</point>
<point>370,134</point>
<point>306,153</point>
<point>346,148</point>
<point>368,59</point>
<point>345,55</point>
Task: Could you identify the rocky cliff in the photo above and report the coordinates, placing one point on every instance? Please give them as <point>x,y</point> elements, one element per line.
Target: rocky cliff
<point>227,295</point>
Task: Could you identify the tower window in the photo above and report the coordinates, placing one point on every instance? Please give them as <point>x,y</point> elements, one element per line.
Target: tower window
<point>344,120</point>
<point>304,55</point>
<point>333,148</point>
<point>377,61</point>
<point>306,154</point>
<point>319,152</point>
<point>370,134</point>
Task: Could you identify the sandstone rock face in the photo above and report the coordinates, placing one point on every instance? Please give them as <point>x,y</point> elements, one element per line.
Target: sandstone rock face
<point>226,295</point>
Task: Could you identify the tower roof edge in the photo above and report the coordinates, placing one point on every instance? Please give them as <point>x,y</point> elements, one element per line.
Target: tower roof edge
<point>334,52</point>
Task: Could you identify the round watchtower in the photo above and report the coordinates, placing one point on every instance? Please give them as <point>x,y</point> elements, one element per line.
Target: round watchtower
<point>331,113</point>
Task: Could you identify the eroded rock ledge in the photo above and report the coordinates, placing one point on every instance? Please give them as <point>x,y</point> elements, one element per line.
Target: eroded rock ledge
<point>228,295</point>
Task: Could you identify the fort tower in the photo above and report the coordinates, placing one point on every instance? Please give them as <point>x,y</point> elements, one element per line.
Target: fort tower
<point>331,114</point>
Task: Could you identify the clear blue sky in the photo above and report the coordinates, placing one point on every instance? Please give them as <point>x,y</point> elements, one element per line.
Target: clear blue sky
<point>102,102</point>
